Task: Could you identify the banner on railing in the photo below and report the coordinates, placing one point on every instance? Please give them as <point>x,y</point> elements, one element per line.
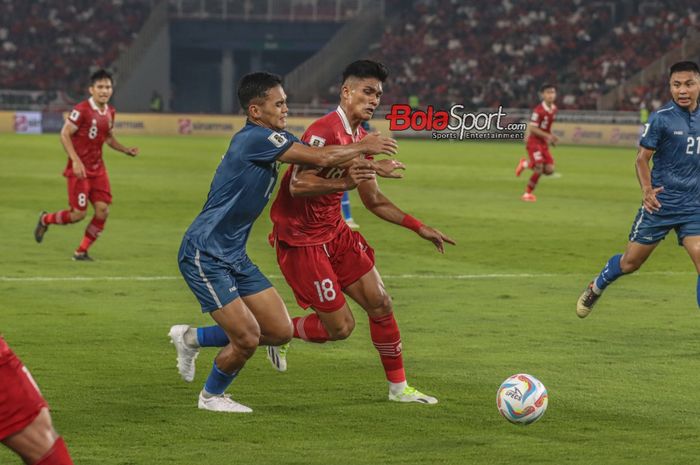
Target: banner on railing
<point>34,100</point>
<point>27,122</point>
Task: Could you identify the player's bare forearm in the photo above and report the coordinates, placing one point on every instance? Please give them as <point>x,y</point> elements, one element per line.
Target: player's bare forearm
<point>649,200</point>
<point>119,147</point>
<point>307,184</point>
<point>376,202</point>
<point>642,167</point>
<point>335,155</point>
<point>66,132</point>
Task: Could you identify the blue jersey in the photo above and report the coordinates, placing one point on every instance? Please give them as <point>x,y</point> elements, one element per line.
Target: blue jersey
<point>674,134</point>
<point>239,192</point>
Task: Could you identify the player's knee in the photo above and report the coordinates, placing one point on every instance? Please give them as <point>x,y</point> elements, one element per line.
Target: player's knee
<point>102,212</point>
<point>538,168</point>
<point>630,266</point>
<point>247,342</point>
<point>382,306</point>
<point>280,335</point>
<point>342,331</point>
<point>548,170</point>
<point>77,215</point>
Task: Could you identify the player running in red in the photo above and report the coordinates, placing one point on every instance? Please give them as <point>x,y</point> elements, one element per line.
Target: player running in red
<point>87,128</point>
<point>25,422</point>
<point>540,136</point>
<point>319,255</point>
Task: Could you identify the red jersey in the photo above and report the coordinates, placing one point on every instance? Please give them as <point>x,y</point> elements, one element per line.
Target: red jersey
<point>94,127</point>
<point>543,116</point>
<point>5,351</point>
<point>305,221</point>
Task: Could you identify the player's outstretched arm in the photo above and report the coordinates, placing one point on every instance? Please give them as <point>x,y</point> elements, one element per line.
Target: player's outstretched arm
<point>380,205</point>
<point>67,131</point>
<point>334,155</point>
<point>650,202</point>
<point>116,145</point>
<point>306,182</point>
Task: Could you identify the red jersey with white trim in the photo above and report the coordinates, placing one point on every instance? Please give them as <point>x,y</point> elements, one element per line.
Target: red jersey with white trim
<point>314,220</point>
<point>94,127</point>
<point>543,116</point>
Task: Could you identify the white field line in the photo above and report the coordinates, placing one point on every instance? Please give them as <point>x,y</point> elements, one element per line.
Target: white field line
<point>444,277</point>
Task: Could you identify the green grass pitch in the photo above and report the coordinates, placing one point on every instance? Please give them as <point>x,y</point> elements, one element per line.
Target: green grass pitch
<point>621,383</point>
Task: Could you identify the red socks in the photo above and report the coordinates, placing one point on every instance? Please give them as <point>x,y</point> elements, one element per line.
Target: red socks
<point>386,337</point>
<point>532,183</point>
<point>310,328</point>
<point>57,455</point>
<point>385,334</point>
<point>62,217</point>
<point>91,233</point>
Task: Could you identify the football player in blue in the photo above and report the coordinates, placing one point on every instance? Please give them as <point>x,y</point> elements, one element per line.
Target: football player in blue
<point>213,258</point>
<point>670,190</point>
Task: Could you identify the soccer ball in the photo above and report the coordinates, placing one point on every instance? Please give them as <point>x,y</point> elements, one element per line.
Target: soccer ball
<point>522,399</point>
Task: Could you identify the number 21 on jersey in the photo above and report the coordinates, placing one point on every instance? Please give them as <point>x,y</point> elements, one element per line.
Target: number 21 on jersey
<point>693,147</point>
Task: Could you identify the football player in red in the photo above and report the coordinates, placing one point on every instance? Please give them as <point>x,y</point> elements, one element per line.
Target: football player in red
<point>540,136</point>
<point>87,128</point>
<point>25,422</point>
<point>321,257</point>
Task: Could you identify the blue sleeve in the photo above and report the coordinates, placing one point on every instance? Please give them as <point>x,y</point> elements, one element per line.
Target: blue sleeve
<point>652,133</point>
<point>266,145</point>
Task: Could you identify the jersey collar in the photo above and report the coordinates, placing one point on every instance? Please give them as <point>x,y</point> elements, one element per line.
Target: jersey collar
<point>683,110</point>
<point>548,109</point>
<point>346,123</point>
<point>96,108</point>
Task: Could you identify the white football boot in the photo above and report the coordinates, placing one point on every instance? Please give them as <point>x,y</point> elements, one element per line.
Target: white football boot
<point>410,394</point>
<point>186,355</point>
<point>277,355</point>
<point>221,403</point>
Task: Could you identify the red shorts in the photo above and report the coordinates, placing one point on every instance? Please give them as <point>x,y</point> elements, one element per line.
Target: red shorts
<point>80,191</point>
<point>20,399</point>
<point>538,152</point>
<point>318,273</point>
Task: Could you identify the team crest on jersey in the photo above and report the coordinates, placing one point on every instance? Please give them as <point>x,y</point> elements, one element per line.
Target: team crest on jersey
<point>277,139</point>
<point>317,141</point>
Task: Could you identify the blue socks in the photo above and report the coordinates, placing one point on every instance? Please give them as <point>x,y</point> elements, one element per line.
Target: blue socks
<point>697,290</point>
<point>345,205</point>
<point>212,336</point>
<point>218,381</point>
<point>611,272</point>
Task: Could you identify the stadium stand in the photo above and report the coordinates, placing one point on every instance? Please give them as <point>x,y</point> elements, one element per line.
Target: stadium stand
<point>51,44</point>
<point>439,51</point>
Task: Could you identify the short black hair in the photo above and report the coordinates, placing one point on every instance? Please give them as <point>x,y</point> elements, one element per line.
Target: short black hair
<point>99,75</point>
<point>366,69</point>
<point>546,86</point>
<point>684,66</point>
<point>256,85</point>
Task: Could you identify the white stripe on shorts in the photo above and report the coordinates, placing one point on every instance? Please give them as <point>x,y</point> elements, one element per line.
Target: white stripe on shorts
<point>636,225</point>
<point>204,278</point>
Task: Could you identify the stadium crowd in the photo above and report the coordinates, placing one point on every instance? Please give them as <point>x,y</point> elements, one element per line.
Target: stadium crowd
<point>53,44</point>
<point>445,51</point>
<point>439,51</point>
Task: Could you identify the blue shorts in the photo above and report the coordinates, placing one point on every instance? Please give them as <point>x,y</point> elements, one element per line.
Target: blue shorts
<point>650,229</point>
<point>215,282</point>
